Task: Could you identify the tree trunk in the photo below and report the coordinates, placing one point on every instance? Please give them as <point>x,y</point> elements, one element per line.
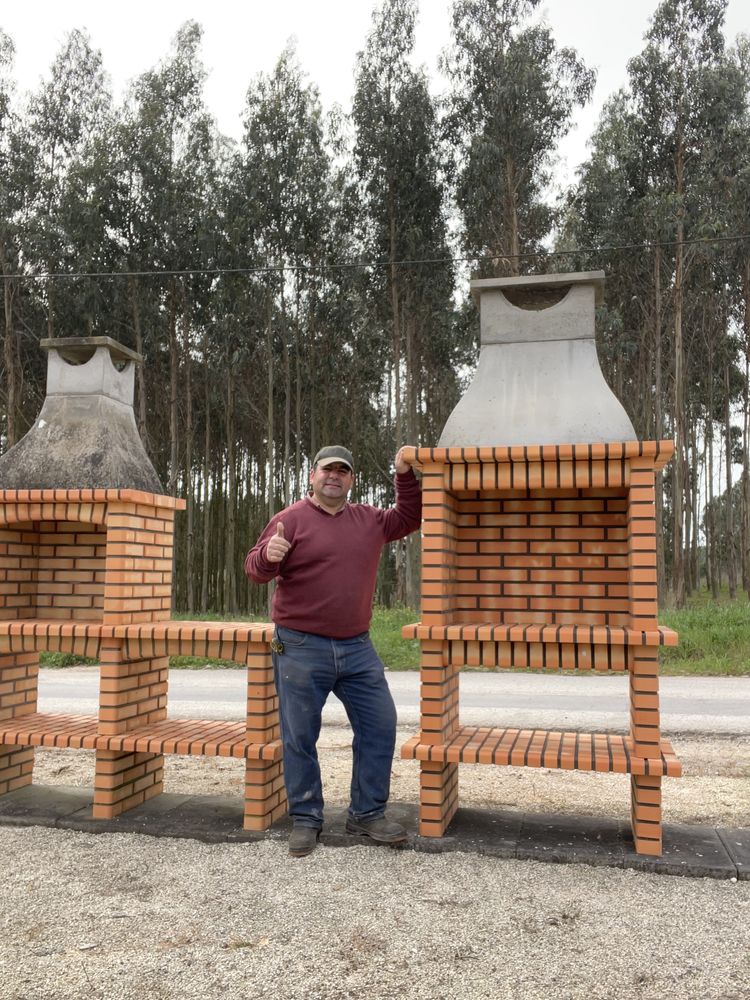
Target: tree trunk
<point>286,361</point>
<point>206,548</point>
<point>140,370</point>
<point>230,567</point>
<point>174,361</point>
<point>50,302</point>
<point>745,528</point>
<point>189,486</point>
<point>270,423</point>
<point>511,215</point>
<point>395,314</point>
<point>10,360</point>
<point>731,564</point>
<point>658,429</point>
<point>270,427</point>
<point>678,498</point>
<point>694,507</point>
<point>297,395</point>
<point>712,570</point>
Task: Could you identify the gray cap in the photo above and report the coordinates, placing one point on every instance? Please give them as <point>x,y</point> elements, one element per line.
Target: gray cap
<point>332,455</point>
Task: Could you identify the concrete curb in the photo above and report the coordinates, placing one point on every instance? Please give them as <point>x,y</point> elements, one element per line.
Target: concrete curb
<point>694,851</point>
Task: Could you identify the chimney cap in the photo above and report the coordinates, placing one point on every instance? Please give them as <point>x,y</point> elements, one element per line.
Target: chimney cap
<point>530,281</point>
<point>79,350</point>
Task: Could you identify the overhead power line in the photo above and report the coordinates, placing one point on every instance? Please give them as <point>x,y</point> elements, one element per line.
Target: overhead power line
<point>348,265</point>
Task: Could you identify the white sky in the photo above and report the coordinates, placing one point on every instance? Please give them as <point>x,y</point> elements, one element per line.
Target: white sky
<point>241,40</point>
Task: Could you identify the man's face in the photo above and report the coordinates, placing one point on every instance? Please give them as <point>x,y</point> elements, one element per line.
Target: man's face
<point>331,485</point>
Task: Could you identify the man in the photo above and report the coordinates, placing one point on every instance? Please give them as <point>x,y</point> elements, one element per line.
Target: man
<point>324,553</point>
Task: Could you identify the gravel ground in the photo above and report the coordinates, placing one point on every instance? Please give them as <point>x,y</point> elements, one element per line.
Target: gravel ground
<point>121,916</point>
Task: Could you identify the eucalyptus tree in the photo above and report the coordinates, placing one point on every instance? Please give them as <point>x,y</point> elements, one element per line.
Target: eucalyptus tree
<point>736,201</point>
<point>396,156</point>
<point>396,153</point>
<point>166,142</point>
<point>285,170</point>
<point>511,100</point>
<point>61,121</point>
<point>12,191</point>
<point>613,204</point>
<point>673,87</point>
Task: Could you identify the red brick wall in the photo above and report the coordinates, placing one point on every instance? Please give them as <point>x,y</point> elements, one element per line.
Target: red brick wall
<point>70,570</point>
<point>538,556</point>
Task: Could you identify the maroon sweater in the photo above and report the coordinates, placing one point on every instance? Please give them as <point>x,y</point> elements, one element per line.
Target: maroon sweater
<point>326,581</point>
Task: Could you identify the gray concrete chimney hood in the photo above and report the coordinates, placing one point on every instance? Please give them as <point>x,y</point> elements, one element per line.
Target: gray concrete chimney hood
<point>85,436</point>
<point>538,380</point>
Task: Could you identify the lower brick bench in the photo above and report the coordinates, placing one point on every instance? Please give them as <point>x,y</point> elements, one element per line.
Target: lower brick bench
<point>131,732</point>
<point>443,743</point>
<point>545,748</point>
<point>191,737</point>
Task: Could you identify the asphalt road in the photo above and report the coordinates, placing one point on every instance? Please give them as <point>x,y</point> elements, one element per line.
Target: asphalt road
<point>593,703</point>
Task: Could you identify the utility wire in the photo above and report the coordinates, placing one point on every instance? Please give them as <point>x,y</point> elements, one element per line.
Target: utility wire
<point>348,265</point>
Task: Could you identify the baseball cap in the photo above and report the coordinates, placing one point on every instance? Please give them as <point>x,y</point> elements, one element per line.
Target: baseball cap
<point>332,455</point>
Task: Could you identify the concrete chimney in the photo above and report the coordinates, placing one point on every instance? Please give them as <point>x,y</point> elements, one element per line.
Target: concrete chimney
<point>85,436</point>
<point>538,380</point>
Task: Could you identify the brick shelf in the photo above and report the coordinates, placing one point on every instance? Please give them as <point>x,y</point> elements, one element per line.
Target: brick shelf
<point>603,635</point>
<point>196,737</point>
<point>544,748</point>
<point>659,451</point>
<point>539,647</point>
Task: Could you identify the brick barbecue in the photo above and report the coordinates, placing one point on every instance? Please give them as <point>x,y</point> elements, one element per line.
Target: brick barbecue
<point>539,550</point>
<point>86,548</point>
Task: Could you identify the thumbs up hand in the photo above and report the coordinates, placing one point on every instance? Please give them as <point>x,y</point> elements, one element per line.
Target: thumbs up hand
<point>278,545</point>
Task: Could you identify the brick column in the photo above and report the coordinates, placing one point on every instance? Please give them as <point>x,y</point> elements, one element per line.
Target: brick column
<point>265,797</point>
<point>438,796</point>
<point>645,813</point>
<point>643,662</point>
<point>132,693</point>
<point>439,693</point>
<point>438,547</point>
<point>139,563</point>
<point>19,672</point>
<point>19,675</point>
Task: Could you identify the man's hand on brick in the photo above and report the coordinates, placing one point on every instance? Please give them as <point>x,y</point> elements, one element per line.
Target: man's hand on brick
<point>402,466</point>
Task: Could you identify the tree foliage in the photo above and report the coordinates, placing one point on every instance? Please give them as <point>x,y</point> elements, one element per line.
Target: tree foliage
<point>299,287</point>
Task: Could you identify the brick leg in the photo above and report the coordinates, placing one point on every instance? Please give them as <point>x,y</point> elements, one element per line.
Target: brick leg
<point>19,684</point>
<point>645,813</point>
<point>125,780</point>
<point>265,798</point>
<point>132,693</point>
<point>438,797</point>
<point>645,730</point>
<point>16,767</point>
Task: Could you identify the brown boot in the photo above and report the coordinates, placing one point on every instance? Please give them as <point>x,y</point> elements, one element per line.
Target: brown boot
<point>303,840</point>
<point>381,830</point>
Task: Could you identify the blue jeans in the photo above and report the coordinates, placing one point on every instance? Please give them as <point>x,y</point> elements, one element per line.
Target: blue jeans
<point>306,672</point>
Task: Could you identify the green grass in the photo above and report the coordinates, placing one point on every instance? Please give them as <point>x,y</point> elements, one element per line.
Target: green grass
<point>714,640</point>
<point>59,660</point>
<point>201,662</point>
<point>385,632</point>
